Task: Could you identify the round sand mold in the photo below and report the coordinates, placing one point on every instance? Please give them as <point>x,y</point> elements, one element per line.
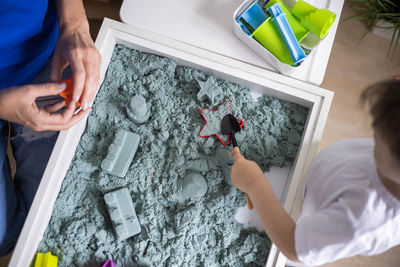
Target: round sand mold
<point>137,109</point>
<point>193,185</point>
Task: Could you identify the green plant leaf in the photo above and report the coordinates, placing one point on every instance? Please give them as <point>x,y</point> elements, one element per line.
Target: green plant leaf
<point>373,12</point>
<point>394,43</point>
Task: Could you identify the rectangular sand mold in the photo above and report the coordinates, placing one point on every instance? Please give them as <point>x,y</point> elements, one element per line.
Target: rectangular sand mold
<point>120,153</point>
<point>286,182</point>
<point>122,213</point>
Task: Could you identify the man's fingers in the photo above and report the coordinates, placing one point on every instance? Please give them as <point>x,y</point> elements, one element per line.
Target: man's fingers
<point>79,73</point>
<point>92,66</point>
<point>75,119</point>
<point>68,112</point>
<point>55,107</point>
<point>46,118</point>
<point>60,121</point>
<point>46,89</point>
<point>58,64</point>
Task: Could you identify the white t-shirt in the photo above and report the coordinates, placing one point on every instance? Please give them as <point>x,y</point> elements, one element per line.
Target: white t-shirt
<point>346,211</point>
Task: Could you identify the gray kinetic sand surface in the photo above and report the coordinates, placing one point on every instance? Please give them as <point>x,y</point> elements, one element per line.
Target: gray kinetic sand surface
<point>175,232</point>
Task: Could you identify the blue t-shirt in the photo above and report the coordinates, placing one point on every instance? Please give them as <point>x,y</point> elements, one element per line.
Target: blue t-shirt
<point>28,35</point>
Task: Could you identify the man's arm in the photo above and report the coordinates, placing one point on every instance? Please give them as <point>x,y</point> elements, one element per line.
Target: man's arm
<point>247,176</point>
<point>76,48</point>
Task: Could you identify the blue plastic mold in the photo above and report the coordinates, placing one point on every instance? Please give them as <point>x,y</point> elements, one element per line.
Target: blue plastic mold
<point>120,153</point>
<point>122,213</point>
<point>254,16</point>
<point>278,16</point>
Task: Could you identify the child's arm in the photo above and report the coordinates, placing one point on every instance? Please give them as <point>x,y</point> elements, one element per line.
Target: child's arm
<point>247,176</point>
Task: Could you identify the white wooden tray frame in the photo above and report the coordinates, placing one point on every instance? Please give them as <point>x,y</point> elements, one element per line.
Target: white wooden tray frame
<point>257,79</point>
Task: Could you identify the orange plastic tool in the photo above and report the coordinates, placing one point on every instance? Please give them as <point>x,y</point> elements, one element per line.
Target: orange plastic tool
<point>67,93</point>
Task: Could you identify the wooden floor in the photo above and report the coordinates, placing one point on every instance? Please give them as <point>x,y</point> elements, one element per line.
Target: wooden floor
<point>351,68</point>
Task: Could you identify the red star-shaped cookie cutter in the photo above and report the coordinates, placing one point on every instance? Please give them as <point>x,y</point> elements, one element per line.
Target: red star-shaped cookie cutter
<point>213,122</point>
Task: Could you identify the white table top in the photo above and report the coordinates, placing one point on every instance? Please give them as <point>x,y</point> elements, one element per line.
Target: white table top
<point>208,24</point>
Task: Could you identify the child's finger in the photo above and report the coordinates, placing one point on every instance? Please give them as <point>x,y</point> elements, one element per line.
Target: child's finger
<point>236,155</point>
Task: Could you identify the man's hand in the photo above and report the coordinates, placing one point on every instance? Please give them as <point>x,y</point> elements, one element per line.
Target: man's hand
<point>245,173</point>
<point>76,48</point>
<point>17,104</point>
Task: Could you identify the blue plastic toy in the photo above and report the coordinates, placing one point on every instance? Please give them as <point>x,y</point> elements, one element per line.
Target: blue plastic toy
<point>254,16</point>
<point>122,213</point>
<point>278,16</point>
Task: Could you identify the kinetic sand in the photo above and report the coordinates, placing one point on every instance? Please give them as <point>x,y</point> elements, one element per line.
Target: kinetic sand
<point>175,230</point>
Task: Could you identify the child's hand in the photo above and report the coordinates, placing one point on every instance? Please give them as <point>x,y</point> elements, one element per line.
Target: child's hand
<point>245,173</point>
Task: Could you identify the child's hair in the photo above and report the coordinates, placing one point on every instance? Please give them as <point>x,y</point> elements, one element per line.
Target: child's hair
<point>384,101</point>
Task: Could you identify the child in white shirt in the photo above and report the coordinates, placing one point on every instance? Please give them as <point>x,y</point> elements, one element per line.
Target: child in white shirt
<point>352,192</point>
